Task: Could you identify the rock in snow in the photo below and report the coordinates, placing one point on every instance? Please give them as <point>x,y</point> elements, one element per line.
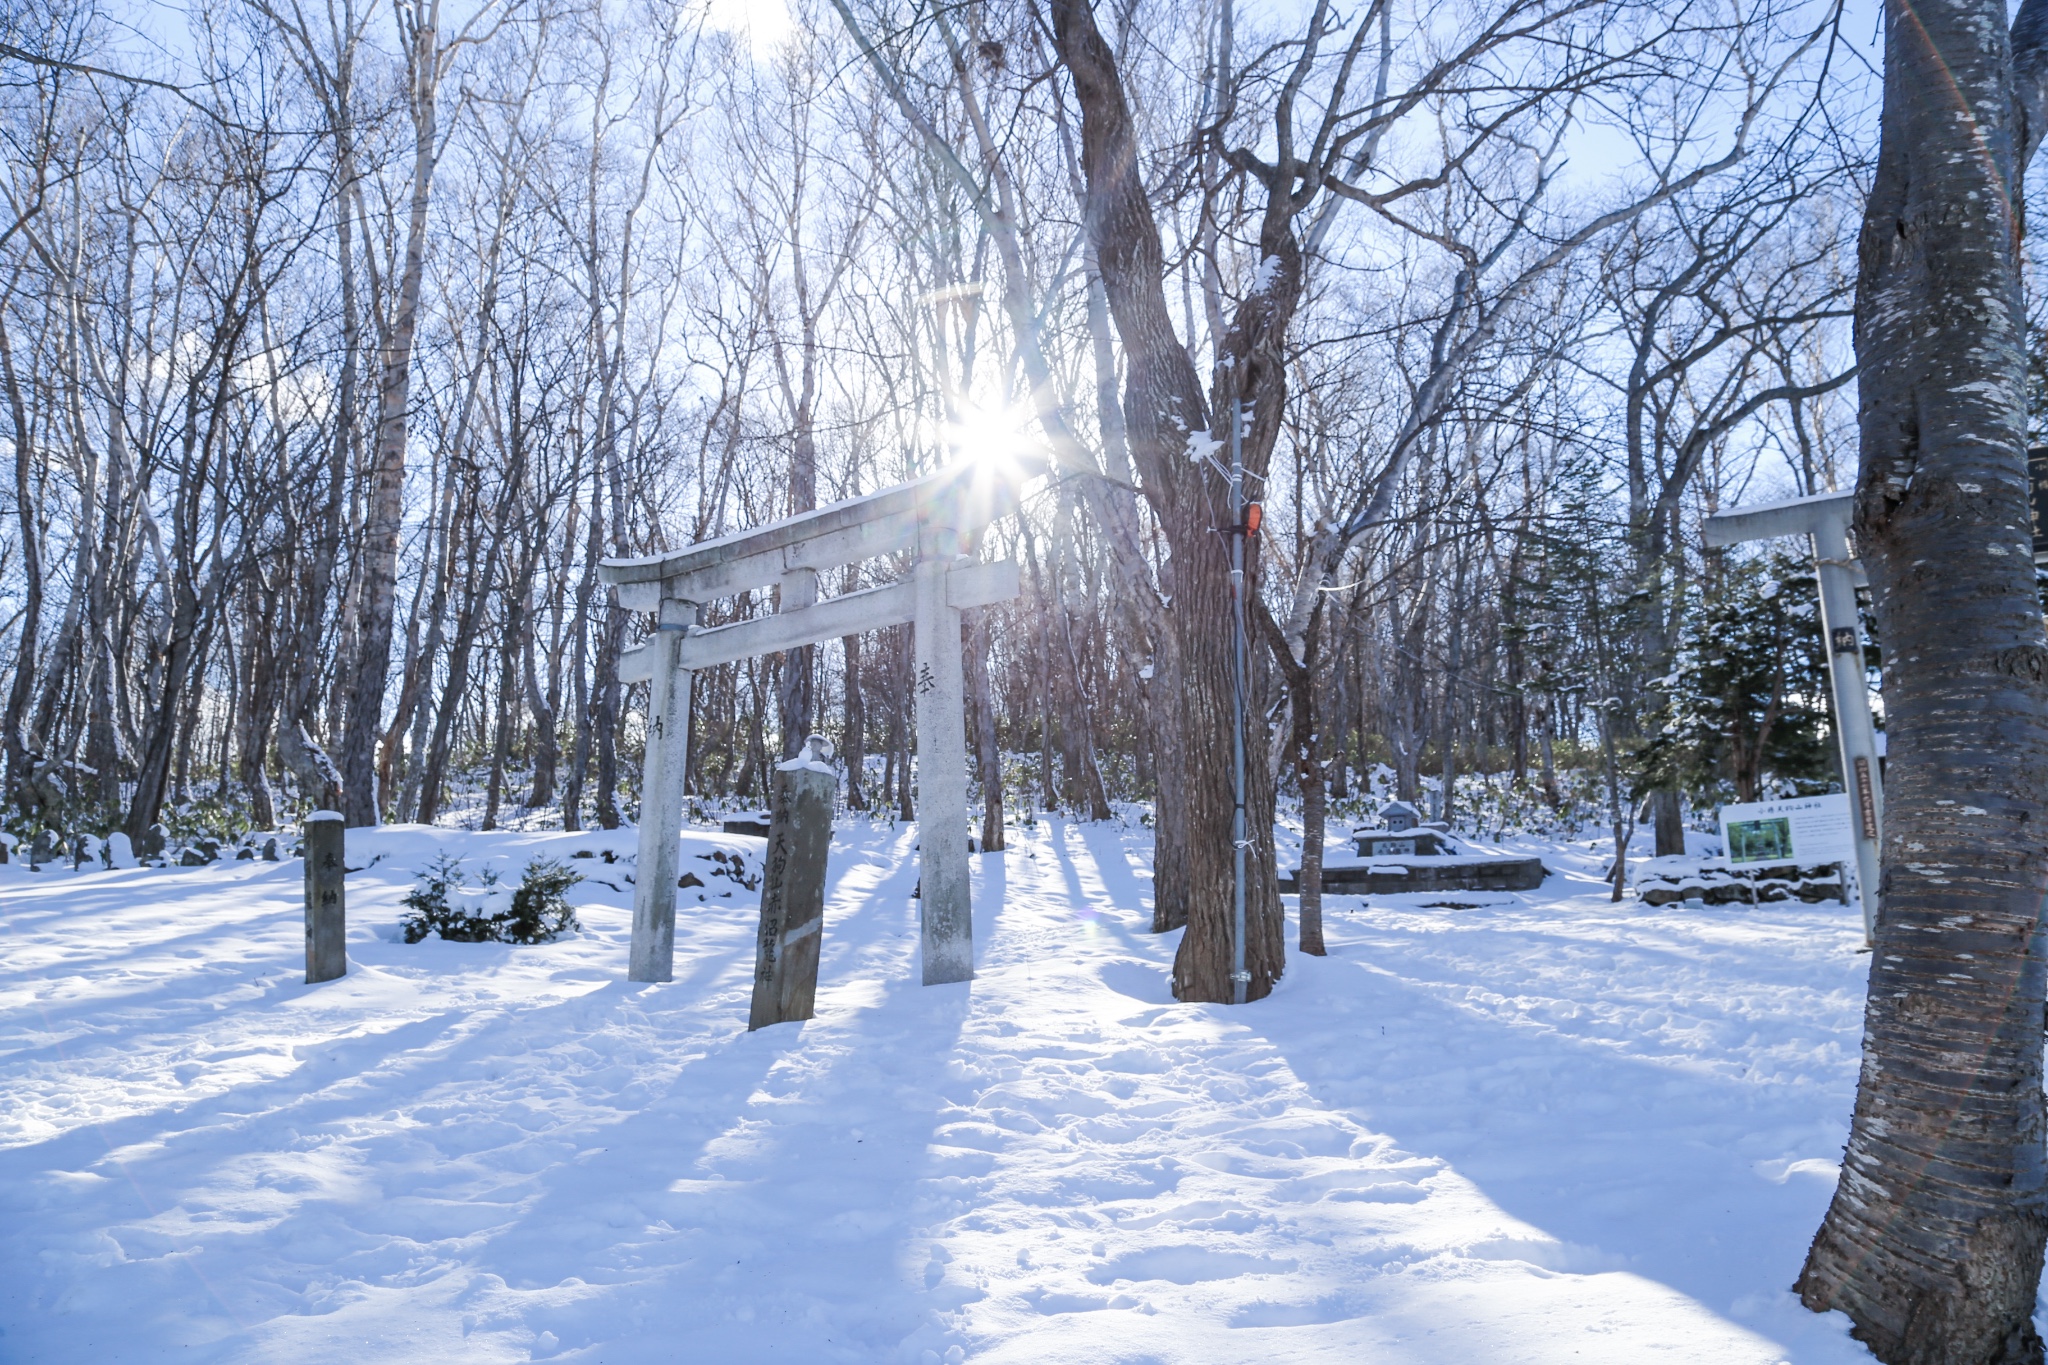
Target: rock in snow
<point>1542,1128</point>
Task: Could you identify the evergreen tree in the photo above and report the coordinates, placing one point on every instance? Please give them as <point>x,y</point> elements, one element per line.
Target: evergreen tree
<point>1748,697</point>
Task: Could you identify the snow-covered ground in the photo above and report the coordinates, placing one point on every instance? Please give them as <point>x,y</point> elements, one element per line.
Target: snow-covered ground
<point>1542,1127</point>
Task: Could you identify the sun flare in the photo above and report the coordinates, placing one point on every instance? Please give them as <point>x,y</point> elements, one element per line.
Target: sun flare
<point>993,434</point>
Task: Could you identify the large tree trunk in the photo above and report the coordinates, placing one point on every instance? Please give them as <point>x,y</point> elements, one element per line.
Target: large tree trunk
<point>1933,1243</point>
<point>1169,837</point>
<point>1161,699</point>
<point>1667,817</point>
<point>793,699</point>
<point>186,652</point>
<point>1166,417</point>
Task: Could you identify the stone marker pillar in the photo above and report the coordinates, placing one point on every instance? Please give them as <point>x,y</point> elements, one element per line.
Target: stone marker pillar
<point>326,906</point>
<point>945,911</point>
<point>793,887</point>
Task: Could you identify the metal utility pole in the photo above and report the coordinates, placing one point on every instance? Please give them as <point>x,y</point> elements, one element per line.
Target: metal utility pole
<point>1825,519</point>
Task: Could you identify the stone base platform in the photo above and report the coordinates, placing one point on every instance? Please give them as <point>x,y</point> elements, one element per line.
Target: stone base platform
<point>1711,881</point>
<point>1388,878</point>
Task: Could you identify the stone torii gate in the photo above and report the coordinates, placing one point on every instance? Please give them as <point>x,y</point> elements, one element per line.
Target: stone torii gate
<point>1824,518</point>
<point>935,516</point>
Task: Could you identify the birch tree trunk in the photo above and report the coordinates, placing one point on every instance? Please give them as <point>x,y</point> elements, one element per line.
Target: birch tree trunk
<point>988,756</point>
<point>1933,1243</point>
<point>20,766</point>
<point>361,801</point>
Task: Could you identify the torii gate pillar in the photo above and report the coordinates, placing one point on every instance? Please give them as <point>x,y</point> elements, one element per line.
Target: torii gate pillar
<point>662,774</point>
<point>1825,518</point>
<point>944,909</point>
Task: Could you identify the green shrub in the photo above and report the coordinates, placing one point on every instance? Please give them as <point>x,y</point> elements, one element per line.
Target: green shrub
<point>438,907</point>
<point>540,914</point>
<point>444,903</point>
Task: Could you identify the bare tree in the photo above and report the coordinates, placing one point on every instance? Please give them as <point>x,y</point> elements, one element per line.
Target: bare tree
<point>427,59</point>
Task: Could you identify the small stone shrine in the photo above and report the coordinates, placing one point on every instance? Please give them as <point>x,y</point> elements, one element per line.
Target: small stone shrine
<point>1400,834</point>
<point>1402,853</point>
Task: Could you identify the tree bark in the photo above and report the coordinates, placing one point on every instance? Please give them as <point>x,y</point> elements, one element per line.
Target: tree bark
<point>259,708</point>
<point>399,763</point>
<point>20,765</point>
<point>1933,1242</point>
<point>546,743</point>
<point>988,756</point>
<point>902,732</point>
<point>1299,676</point>
<point>1167,420</point>
<point>1447,725</point>
<point>853,743</point>
<point>1169,837</point>
<point>579,670</point>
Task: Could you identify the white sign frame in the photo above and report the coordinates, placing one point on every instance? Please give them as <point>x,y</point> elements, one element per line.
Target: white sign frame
<point>1816,830</point>
<point>1824,518</point>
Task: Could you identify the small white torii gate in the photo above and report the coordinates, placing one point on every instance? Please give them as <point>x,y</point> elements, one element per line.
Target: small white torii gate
<point>935,516</point>
<point>1824,518</point>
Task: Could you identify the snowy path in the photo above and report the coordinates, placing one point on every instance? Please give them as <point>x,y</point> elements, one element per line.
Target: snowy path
<point>1542,1129</point>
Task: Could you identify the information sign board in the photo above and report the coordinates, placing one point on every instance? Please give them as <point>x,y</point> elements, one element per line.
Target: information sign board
<point>1799,829</point>
<point>2037,480</point>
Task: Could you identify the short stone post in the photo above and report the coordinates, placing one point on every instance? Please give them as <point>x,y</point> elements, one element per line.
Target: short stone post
<point>793,887</point>
<point>326,905</point>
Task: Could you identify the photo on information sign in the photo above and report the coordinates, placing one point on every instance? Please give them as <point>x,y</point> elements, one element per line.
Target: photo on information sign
<point>1756,841</point>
